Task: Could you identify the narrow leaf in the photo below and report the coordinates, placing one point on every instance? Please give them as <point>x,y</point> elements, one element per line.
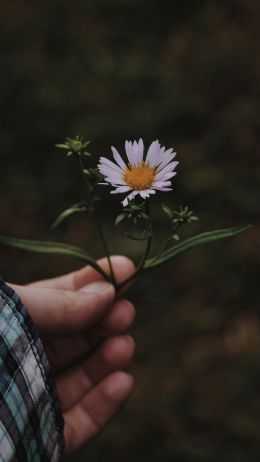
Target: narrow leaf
<point>144,236</point>
<point>193,242</point>
<point>167,210</point>
<point>62,146</point>
<point>66,213</point>
<point>120,218</point>
<point>45,247</point>
<point>53,248</point>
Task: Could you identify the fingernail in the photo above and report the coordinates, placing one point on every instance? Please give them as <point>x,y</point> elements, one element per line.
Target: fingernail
<point>97,287</point>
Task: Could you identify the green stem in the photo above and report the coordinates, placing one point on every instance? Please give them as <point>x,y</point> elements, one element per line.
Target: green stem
<point>98,225</point>
<point>165,245</point>
<point>140,265</point>
<point>103,240</point>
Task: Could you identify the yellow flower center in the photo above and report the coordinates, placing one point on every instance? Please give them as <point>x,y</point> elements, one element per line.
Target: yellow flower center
<point>139,176</point>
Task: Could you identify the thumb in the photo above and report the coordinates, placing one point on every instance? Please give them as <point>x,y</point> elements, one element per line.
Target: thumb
<point>59,312</point>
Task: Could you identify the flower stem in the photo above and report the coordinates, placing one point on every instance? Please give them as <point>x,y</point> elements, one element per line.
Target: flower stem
<point>104,243</point>
<point>144,257</point>
<point>165,245</point>
<point>110,278</point>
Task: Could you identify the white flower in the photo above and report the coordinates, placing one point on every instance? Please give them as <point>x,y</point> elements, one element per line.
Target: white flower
<point>139,176</point>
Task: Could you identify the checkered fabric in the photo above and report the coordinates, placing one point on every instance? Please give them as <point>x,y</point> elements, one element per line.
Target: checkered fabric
<point>31,424</point>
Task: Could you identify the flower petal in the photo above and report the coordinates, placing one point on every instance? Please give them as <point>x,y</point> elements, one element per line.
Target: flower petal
<point>109,163</point>
<point>115,181</point>
<point>108,171</point>
<point>129,152</point>
<point>113,177</point>
<point>167,158</point>
<point>161,184</point>
<point>145,193</point>
<point>138,151</point>
<point>164,176</point>
<point>129,198</point>
<point>162,188</point>
<point>152,153</point>
<point>118,158</point>
<point>121,189</point>
<point>169,167</point>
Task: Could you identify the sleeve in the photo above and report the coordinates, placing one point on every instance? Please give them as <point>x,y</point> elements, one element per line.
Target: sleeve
<point>31,423</point>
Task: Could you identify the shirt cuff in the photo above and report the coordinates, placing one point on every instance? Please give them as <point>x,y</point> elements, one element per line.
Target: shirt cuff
<point>31,422</point>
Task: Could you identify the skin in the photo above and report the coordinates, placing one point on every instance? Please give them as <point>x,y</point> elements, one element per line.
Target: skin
<point>83,329</point>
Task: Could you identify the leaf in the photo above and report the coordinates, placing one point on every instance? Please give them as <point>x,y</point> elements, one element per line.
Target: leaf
<point>142,237</point>
<point>66,213</point>
<point>145,216</point>
<point>52,248</point>
<point>62,146</point>
<point>167,210</point>
<point>45,247</point>
<point>176,237</point>
<point>203,238</point>
<point>120,218</point>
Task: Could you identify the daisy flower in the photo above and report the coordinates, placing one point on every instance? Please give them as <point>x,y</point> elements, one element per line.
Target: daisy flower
<point>143,176</point>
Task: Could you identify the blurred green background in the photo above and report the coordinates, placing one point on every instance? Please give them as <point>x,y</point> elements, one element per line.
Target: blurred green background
<point>188,74</point>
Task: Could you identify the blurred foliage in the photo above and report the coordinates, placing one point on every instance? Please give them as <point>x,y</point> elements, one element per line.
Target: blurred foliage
<point>188,74</point>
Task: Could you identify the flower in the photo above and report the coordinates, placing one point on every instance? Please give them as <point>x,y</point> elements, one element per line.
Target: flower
<point>139,176</point>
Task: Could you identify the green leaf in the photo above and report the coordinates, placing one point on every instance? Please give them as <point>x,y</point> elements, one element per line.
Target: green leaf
<point>120,218</point>
<point>142,237</point>
<point>52,248</point>
<point>66,213</point>
<point>145,216</point>
<point>203,238</point>
<point>62,146</point>
<point>45,247</point>
<point>176,237</point>
<point>167,210</point>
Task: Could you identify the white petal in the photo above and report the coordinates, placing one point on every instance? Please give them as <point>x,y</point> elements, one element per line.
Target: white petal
<point>129,152</point>
<point>160,156</point>
<point>162,183</point>
<point>106,168</point>
<point>162,188</point>
<point>146,193</point>
<point>164,176</point>
<point>109,163</point>
<point>168,156</point>
<point>129,198</point>
<point>169,167</point>
<point>113,178</point>
<point>169,175</point>
<point>138,151</point>
<point>118,158</point>
<point>115,181</point>
<point>152,153</point>
<point>108,171</point>
<point>121,189</point>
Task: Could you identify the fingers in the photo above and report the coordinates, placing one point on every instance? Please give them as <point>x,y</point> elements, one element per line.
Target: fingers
<point>114,354</point>
<point>122,266</point>
<point>63,312</point>
<point>95,409</point>
<point>119,318</point>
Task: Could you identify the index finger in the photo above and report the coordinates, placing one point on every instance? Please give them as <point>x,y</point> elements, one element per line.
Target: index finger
<point>61,312</point>
<point>122,266</point>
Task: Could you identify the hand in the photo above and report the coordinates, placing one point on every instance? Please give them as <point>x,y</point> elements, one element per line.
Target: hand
<point>83,329</point>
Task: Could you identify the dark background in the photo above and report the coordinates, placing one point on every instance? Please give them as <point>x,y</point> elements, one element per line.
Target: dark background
<point>188,74</point>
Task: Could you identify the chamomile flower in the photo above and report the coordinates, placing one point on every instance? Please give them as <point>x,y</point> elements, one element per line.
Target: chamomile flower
<point>139,175</point>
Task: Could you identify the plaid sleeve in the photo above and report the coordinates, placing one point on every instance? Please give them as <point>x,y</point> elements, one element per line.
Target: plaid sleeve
<point>31,424</point>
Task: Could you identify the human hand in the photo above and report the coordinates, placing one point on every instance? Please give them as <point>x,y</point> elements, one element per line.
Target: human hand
<point>83,331</point>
